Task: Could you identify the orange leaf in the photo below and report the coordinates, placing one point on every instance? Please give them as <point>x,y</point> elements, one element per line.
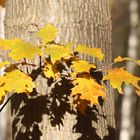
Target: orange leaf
<point>89,90</point>
<point>118,75</point>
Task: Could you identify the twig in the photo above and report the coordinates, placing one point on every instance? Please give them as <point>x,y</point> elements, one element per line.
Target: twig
<point>5,103</point>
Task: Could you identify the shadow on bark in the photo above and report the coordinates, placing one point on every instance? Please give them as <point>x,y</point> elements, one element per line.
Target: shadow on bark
<point>85,126</point>
<point>28,112</point>
<point>28,116</point>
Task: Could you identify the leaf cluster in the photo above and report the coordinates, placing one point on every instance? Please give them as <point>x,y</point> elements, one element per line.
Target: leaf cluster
<point>89,82</point>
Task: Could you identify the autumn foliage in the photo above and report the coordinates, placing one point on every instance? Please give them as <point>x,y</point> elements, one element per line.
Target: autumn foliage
<point>2,3</point>
<point>89,82</point>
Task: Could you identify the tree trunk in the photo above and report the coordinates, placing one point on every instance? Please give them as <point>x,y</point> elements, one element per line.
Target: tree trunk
<point>137,70</point>
<point>120,27</point>
<point>84,22</point>
<point>4,114</point>
<point>120,36</point>
<point>127,127</point>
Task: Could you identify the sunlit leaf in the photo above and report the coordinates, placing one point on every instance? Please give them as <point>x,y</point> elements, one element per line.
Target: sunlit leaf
<point>47,33</point>
<point>81,66</point>
<point>4,63</point>
<point>95,52</point>
<point>138,62</point>
<point>6,44</point>
<point>17,82</point>
<point>121,59</point>
<point>57,52</point>
<point>89,90</point>
<point>118,75</point>
<point>19,49</point>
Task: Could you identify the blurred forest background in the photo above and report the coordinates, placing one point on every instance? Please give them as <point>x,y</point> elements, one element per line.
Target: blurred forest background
<point>125,43</point>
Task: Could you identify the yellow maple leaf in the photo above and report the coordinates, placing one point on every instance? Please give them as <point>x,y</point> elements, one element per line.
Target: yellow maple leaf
<point>121,59</point>
<point>47,33</point>
<point>58,52</point>
<point>138,62</point>
<point>81,66</point>
<point>89,90</point>
<point>95,52</point>
<point>4,63</point>
<point>15,81</point>
<point>118,75</point>
<point>5,44</point>
<point>50,70</point>
<point>20,49</point>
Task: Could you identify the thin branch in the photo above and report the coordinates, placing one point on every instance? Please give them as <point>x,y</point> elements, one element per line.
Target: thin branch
<point>5,103</point>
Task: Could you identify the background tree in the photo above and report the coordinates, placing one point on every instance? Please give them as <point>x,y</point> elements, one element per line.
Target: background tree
<point>120,36</point>
<point>128,109</point>
<point>84,22</point>
<point>125,16</point>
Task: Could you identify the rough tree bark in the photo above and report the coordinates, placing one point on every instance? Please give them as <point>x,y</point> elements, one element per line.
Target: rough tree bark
<point>4,113</point>
<point>84,22</point>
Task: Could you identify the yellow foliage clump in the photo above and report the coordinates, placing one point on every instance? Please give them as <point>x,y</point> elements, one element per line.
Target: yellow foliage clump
<point>19,49</point>
<point>16,82</point>
<point>79,72</point>
<point>57,52</point>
